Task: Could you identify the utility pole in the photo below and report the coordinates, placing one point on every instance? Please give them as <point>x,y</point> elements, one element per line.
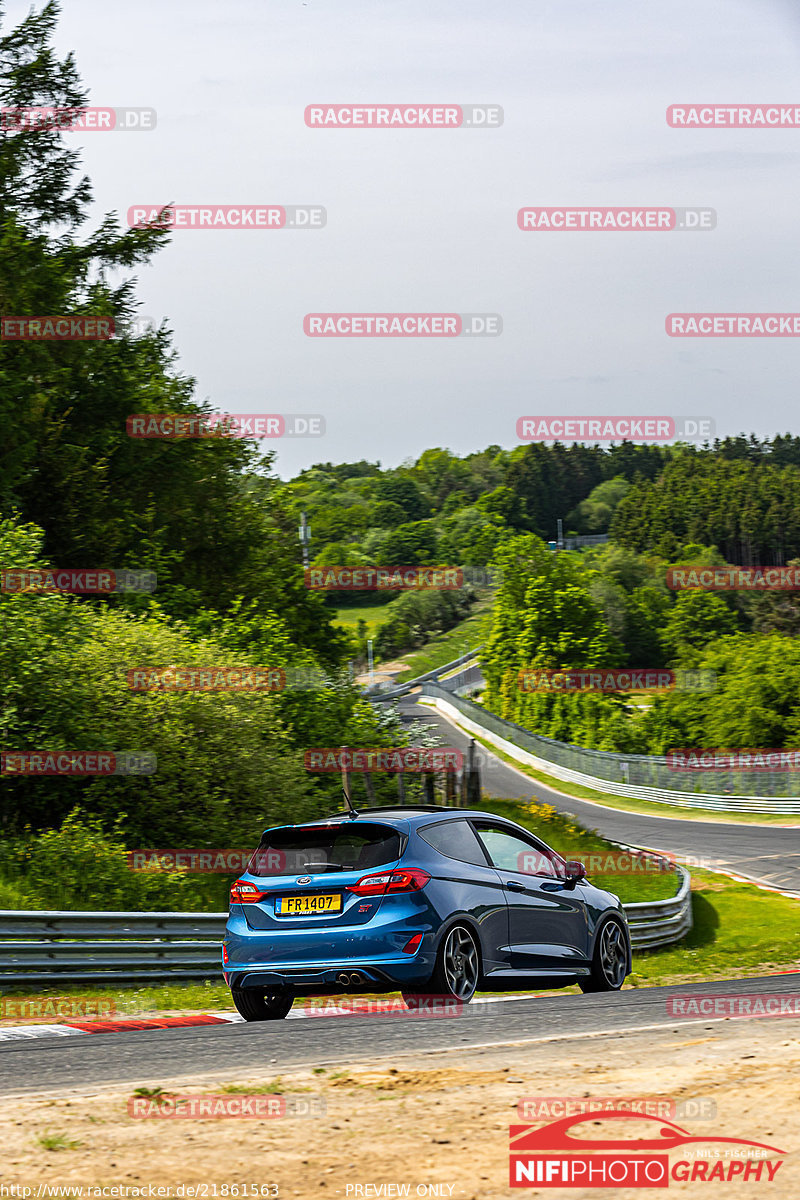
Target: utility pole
<point>371,663</point>
<point>305,538</point>
<point>560,534</point>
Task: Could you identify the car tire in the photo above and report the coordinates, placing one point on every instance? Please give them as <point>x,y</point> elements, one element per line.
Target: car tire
<point>609,961</point>
<point>457,971</point>
<point>255,1005</point>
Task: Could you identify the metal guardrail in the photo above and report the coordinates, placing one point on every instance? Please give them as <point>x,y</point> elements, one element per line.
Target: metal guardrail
<point>585,539</point>
<point>53,948</point>
<point>402,689</point>
<point>644,777</point>
<point>660,922</point>
<point>115,947</point>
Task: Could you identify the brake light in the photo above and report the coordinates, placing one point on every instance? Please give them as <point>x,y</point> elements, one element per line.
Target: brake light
<point>409,879</point>
<point>243,892</point>
<point>412,946</point>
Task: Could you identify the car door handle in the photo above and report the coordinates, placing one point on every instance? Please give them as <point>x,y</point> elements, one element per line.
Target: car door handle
<point>514,886</point>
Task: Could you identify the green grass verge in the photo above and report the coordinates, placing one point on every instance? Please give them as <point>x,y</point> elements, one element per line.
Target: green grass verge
<point>628,804</point>
<point>373,614</point>
<point>450,645</point>
<point>739,930</point>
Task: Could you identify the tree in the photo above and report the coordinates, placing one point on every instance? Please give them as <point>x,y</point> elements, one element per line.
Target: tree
<point>696,619</point>
<point>593,515</point>
<point>403,490</point>
<point>204,514</point>
<point>413,544</point>
<point>544,616</point>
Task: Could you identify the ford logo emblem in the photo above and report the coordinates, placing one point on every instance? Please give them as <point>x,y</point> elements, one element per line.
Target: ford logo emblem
<point>304,879</point>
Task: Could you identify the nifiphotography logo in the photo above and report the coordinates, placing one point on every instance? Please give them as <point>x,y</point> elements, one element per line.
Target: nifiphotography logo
<point>656,1153</point>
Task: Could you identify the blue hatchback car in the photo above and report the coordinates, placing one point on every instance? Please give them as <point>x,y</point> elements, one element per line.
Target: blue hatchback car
<point>424,900</point>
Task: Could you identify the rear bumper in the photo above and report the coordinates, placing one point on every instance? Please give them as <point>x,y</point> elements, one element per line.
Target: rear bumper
<point>315,957</point>
<point>342,977</point>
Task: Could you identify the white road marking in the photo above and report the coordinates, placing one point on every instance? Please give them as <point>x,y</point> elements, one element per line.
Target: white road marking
<point>18,1032</point>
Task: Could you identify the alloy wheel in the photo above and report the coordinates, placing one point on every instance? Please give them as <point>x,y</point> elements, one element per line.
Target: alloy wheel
<point>460,962</point>
<point>613,954</point>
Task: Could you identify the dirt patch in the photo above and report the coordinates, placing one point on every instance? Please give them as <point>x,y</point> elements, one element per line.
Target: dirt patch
<point>384,673</point>
<point>423,1081</point>
<point>432,1121</point>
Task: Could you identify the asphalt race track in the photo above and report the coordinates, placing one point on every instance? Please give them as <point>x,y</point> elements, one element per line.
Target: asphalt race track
<point>770,855</point>
<point>765,854</point>
<point>149,1058</point>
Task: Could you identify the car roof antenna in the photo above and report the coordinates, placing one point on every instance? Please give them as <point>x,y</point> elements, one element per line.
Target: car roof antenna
<point>353,813</point>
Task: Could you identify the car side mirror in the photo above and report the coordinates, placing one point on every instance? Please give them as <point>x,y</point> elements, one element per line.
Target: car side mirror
<point>574,872</point>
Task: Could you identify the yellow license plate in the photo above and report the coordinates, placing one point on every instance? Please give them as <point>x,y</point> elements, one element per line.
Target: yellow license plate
<point>296,906</point>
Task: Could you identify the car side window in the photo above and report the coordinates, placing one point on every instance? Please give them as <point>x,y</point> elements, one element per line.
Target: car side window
<point>455,839</point>
<point>509,852</point>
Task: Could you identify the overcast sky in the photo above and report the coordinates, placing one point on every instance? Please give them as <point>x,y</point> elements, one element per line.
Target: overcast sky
<point>425,221</point>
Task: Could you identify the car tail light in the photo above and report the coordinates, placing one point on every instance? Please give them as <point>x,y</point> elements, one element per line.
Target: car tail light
<point>407,879</point>
<point>412,946</point>
<point>225,953</point>
<point>243,892</point>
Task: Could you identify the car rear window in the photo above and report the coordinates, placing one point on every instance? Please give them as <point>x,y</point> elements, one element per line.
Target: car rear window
<point>322,849</point>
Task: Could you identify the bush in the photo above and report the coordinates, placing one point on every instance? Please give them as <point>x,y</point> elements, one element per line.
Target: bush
<point>415,617</point>
<point>81,867</point>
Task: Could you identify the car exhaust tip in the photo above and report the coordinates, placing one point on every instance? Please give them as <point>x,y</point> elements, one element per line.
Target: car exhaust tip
<point>343,979</point>
<point>355,978</point>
